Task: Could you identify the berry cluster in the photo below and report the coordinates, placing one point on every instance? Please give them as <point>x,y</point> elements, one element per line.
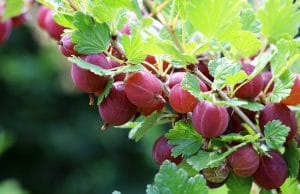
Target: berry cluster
<point>158,87</point>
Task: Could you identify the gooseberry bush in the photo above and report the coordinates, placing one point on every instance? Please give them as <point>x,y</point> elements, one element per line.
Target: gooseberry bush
<point>216,75</point>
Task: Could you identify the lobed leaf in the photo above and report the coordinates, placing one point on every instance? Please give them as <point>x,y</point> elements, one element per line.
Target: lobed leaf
<point>184,138</point>
<point>275,134</point>
<point>172,180</point>
<point>280,19</point>
<point>91,37</point>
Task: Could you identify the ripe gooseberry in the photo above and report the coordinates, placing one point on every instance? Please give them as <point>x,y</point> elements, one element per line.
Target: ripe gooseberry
<point>116,109</point>
<point>279,112</point>
<point>144,89</point>
<point>272,171</point>
<point>204,118</point>
<point>87,81</point>
<point>162,151</point>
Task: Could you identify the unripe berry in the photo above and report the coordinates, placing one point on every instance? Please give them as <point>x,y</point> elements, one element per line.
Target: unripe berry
<point>116,109</point>
<point>272,172</point>
<point>162,151</point>
<point>244,161</point>
<point>210,120</point>
<point>215,177</point>
<point>279,112</point>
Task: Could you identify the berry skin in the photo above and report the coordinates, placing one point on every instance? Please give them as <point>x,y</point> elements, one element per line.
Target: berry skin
<point>148,111</point>
<point>203,67</point>
<point>279,112</point>
<point>119,77</point>
<point>267,76</point>
<point>41,15</point>
<point>181,100</point>
<point>116,109</point>
<point>294,97</point>
<point>244,161</point>
<point>87,81</point>
<point>162,151</point>
<point>144,89</point>
<point>210,120</point>
<point>252,88</point>
<point>66,46</point>
<point>18,20</point>
<point>5,29</point>
<point>53,29</point>
<point>176,78</point>
<point>272,172</point>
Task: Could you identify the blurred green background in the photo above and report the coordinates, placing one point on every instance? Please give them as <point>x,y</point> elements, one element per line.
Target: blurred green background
<point>53,138</point>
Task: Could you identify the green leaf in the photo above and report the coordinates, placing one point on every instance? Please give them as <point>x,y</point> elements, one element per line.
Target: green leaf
<point>290,186</point>
<point>215,19</point>
<point>275,134</point>
<point>12,8</point>
<point>245,44</point>
<point>185,139</point>
<point>238,185</point>
<point>292,158</point>
<point>224,71</point>
<point>157,46</point>
<point>191,84</point>
<point>235,78</point>
<point>134,48</point>
<point>141,128</point>
<point>265,191</point>
<point>105,92</point>
<point>286,50</point>
<point>65,20</point>
<point>249,21</point>
<point>88,66</point>
<point>172,180</point>
<point>282,87</point>
<point>104,72</point>
<point>91,37</point>
<point>52,4</point>
<point>204,159</point>
<point>280,19</point>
